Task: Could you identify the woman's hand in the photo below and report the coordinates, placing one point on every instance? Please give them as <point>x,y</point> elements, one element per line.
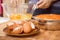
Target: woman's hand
<point>44,4</point>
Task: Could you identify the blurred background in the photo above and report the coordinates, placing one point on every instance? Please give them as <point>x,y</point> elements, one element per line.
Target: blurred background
<point>12,4</point>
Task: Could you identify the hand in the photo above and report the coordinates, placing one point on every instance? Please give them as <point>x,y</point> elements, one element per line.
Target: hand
<point>44,4</point>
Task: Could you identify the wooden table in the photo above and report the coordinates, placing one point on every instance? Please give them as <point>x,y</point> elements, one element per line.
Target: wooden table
<point>43,35</point>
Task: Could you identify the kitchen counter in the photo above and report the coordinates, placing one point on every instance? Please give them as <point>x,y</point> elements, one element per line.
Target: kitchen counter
<point>43,35</point>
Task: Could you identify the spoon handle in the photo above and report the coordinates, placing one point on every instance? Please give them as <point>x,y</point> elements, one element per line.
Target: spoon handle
<point>33,9</point>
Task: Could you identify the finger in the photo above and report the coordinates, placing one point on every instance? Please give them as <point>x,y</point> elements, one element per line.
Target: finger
<point>42,5</point>
<point>39,2</point>
<point>47,4</point>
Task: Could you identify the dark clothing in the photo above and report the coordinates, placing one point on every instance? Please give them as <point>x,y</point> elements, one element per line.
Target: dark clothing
<point>54,8</point>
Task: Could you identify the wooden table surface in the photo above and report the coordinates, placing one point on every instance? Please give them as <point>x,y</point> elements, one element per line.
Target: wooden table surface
<point>43,35</point>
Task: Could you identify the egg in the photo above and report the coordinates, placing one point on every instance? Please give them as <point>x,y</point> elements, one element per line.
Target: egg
<point>17,30</point>
<point>27,27</point>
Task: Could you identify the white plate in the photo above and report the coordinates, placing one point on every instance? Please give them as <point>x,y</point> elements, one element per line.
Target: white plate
<point>2,19</point>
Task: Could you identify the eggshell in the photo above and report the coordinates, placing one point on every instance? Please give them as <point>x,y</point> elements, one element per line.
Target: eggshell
<point>21,22</point>
<point>32,25</point>
<point>11,25</point>
<point>27,27</point>
<point>17,30</point>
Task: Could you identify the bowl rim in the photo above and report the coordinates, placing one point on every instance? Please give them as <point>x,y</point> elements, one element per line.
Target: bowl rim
<point>45,18</point>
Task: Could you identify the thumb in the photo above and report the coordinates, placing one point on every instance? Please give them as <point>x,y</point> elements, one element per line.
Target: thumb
<point>39,2</point>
